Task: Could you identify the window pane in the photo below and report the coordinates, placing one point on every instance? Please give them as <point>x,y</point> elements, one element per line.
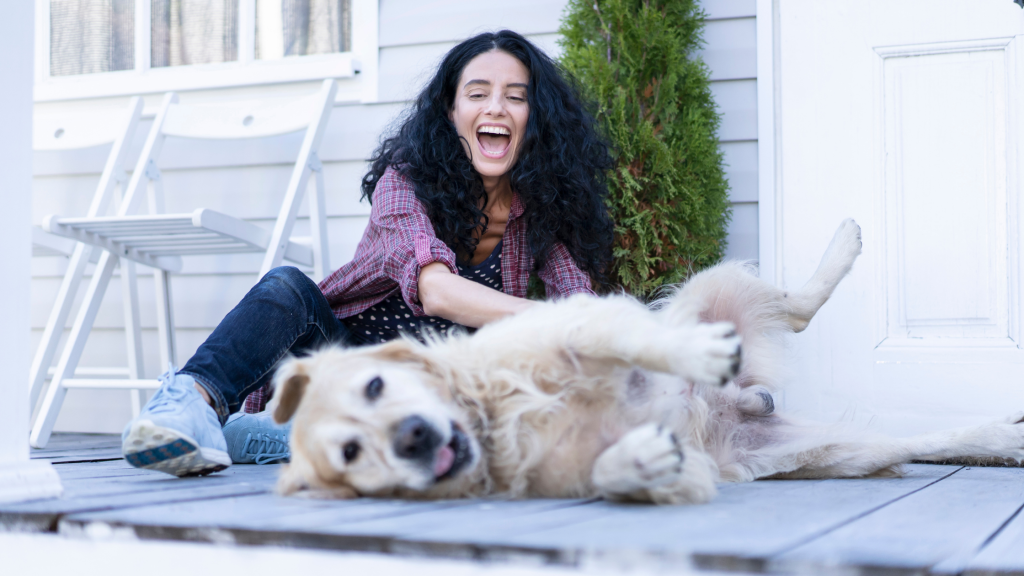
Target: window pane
<point>88,36</point>
<point>302,27</point>
<point>193,32</point>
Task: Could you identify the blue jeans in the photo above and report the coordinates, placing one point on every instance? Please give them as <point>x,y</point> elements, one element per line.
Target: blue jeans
<point>283,314</point>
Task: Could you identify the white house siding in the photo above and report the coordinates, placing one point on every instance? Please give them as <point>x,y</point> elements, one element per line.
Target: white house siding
<point>249,181</point>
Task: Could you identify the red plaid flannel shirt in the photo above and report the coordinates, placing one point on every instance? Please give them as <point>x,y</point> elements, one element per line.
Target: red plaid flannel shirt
<point>399,240</point>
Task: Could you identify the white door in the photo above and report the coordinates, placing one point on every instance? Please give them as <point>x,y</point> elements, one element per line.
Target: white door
<point>907,115</point>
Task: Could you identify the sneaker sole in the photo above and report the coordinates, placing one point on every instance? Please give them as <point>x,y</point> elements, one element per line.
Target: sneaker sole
<point>158,448</point>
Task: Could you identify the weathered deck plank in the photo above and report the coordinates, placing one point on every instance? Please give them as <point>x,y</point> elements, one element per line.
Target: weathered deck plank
<point>66,448</point>
<point>939,528</point>
<point>1004,555</point>
<point>743,527</point>
<point>115,485</point>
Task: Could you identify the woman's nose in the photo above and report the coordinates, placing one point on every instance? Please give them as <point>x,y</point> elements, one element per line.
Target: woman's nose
<point>496,106</point>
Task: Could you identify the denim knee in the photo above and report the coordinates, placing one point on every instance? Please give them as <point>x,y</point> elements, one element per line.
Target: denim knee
<point>290,275</point>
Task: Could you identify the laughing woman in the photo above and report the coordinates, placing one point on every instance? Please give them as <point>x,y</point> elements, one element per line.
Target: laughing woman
<point>496,172</point>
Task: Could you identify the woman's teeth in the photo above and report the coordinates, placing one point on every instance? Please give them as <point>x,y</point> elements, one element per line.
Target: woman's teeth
<point>499,130</point>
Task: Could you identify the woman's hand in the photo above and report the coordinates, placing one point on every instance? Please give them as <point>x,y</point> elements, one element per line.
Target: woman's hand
<point>463,301</point>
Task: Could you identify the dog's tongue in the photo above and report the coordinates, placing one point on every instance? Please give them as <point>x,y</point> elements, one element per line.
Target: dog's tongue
<point>443,461</point>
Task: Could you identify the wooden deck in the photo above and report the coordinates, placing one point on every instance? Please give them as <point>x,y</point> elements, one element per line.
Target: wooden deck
<point>937,519</point>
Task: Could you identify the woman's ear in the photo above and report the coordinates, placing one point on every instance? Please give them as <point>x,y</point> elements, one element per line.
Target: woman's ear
<point>290,382</point>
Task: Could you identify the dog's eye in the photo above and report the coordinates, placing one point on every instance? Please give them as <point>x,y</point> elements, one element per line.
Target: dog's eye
<point>374,388</point>
<point>350,451</point>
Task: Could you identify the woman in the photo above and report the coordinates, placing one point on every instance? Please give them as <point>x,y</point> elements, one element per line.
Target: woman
<point>497,172</point>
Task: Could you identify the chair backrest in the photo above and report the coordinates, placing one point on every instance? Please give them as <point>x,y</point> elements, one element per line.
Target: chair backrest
<point>59,133</point>
<point>239,120</point>
<point>245,119</point>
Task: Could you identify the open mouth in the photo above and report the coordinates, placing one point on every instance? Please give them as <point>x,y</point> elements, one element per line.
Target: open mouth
<point>453,456</point>
<point>494,140</point>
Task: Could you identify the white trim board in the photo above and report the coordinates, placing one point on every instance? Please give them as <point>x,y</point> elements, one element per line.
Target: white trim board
<point>29,480</point>
<point>769,260</point>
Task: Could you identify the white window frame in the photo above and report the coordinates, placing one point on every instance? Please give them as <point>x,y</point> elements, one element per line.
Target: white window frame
<point>356,70</point>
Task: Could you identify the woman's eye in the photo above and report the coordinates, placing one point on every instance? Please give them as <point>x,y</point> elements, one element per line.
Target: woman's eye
<point>374,388</point>
<point>350,451</point>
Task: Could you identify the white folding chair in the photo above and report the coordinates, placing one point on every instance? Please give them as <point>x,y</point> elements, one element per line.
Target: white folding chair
<point>56,133</point>
<point>159,240</point>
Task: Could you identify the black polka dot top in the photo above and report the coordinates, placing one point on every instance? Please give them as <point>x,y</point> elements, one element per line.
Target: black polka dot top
<point>387,319</point>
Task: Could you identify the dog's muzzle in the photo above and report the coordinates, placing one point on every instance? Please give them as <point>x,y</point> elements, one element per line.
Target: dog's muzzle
<point>417,440</point>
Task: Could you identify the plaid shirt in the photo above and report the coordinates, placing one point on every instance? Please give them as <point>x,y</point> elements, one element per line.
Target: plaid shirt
<point>399,240</point>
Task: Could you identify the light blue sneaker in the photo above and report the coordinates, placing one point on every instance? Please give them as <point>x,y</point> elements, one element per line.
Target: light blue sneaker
<point>177,432</point>
<point>256,438</point>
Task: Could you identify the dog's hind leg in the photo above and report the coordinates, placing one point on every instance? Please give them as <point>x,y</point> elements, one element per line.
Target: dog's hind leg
<point>761,312</point>
<point>853,458</point>
<point>802,305</point>
<point>731,291</point>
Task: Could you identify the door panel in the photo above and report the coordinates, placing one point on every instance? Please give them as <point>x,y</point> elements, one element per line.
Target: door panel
<point>905,116</point>
<point>945,193</point>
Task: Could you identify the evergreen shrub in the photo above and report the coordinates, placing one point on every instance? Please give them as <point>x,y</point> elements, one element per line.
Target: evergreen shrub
<point>637,61</point>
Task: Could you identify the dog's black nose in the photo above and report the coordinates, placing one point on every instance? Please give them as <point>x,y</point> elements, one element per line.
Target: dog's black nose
<point>416,439</point>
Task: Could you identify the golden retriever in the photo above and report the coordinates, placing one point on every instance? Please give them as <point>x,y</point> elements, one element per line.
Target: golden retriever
<point>590,396</point>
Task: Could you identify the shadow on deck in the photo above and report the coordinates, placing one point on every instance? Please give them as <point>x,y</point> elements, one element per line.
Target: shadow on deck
<point>936,519</point>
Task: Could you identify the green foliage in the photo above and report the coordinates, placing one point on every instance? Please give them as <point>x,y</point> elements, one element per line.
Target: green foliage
<point>668,195</point>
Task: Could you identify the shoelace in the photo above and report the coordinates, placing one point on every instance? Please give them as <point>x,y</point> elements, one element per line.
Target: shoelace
<point>265,448</point>
<point>167,394</point>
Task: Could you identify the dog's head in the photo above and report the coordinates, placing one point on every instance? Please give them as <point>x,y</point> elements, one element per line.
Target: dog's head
<point>376,421</point>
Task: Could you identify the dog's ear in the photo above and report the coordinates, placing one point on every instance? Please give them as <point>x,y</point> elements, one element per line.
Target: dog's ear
<point>401,350</point>
<point>290,383</point>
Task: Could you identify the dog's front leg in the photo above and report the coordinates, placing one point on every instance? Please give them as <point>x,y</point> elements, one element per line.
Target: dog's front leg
<point>622,329</point>
<point>649,464</point>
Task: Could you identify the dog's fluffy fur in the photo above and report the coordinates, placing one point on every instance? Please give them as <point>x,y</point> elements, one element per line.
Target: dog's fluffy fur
<point>590,396</point>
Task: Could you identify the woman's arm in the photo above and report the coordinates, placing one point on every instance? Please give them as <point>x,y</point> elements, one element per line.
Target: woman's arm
<point>455,298</point>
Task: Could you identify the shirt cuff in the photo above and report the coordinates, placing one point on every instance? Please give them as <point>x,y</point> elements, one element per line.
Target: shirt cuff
<point>428,249</point>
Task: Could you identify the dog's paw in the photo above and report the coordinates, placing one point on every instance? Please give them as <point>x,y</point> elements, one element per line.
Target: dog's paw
<point>844,248</point>
<point>711,355</point>
<point>756,401</point>
<point>647,457</point>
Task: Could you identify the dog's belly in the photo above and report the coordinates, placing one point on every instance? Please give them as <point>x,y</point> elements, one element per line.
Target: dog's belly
<point>590,423</point>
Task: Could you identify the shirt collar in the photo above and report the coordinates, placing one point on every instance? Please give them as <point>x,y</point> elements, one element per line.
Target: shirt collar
<point>517,207</point>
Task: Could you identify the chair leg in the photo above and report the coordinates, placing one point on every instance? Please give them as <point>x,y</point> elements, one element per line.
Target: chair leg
<point>132,329</point>
<point>165,318</point>
<point>318,226</point>
<point>58,319</point>
<point>72,353</point>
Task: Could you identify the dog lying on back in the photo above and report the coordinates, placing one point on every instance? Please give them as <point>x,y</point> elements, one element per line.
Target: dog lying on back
<point>590,396</point>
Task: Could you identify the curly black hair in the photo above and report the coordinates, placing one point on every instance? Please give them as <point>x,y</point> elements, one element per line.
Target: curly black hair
<point>559,174</point>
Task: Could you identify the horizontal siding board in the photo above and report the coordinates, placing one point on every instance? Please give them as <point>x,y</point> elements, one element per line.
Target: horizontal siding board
<point>736,101</point>
<point>740,159</point>
<point>730,49</point>
<point>408,22</point>
<point>742,232</point>
<point>718,9</point>
<point>246,192</point>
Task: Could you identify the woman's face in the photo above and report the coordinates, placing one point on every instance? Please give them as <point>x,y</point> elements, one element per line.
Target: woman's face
<point>491,111</point>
